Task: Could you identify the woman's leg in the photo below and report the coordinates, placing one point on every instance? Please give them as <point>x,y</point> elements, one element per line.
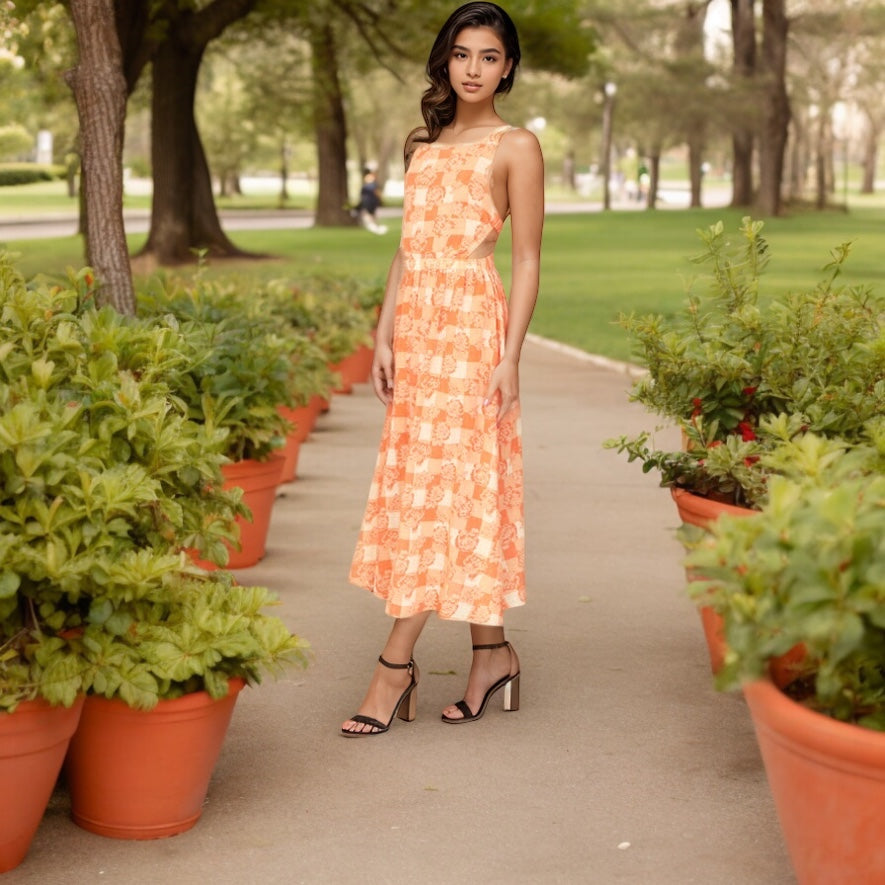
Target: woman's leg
<point>387,685</point>
<point>488,666</point>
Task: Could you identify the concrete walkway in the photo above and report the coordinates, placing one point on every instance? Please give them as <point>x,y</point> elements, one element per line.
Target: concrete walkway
<point>623,765</point>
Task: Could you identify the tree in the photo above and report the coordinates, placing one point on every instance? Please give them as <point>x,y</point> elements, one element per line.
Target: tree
<point>100,90</point>
<point>775,106</point>
<point>657,56</point>
<point>330,126</point>
<point>743,35</point>
<point>183,213</point>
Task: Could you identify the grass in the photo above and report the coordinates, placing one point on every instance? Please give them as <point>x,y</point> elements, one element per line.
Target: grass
<point>595,265</point>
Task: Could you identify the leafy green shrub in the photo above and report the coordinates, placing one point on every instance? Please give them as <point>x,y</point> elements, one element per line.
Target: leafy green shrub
<point>28,173</point>
<point>723,369</point>
<point>104,478</point>
<point>807,570</point>
<point>239,369</point>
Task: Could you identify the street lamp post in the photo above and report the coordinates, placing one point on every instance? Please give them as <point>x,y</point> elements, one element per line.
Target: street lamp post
<point>608,103</point>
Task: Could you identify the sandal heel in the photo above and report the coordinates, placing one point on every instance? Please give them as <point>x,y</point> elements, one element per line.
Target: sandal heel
<point>511,695</point>
<point>408,707</point>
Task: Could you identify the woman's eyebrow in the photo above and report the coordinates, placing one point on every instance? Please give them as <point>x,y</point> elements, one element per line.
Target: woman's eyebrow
<point>482,51</point>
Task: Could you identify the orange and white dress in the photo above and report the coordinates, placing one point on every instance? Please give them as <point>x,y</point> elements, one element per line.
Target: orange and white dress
<point>443,529</point>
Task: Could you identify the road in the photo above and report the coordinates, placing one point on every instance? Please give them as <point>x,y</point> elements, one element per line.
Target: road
<point>138,220</point>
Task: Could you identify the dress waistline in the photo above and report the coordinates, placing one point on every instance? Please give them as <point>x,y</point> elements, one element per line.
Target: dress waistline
<point>434,262</point>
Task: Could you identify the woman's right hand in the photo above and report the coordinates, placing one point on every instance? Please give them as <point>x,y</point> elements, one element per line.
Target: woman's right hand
<point>382,372</point>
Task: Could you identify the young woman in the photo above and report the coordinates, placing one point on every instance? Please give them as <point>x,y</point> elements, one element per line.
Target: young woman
<point>443,530</point>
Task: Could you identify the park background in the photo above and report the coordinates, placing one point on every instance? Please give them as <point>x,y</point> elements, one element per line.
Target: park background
<point>717,109</point>
<point>770,108</point>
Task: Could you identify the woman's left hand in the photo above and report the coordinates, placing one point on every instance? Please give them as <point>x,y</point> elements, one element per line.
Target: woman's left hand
<point>505,384</point>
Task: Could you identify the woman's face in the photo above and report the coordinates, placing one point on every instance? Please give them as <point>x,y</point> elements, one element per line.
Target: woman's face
<point>477,64</point>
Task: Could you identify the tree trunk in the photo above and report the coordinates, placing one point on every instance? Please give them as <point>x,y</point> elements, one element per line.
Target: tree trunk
<point>333,207</point>
<point>100,91</point>
<point>822,149</point>
<point>696,168</point>
<point>183,214</point>
<point>285,156</point>
<point>870,158</point>
<point>743,30</point>
<point>776,106</point>
<point>797,166</point>
<point>654,173</point>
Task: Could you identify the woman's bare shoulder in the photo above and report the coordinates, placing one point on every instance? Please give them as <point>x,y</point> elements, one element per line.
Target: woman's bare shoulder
<point>519,142</point>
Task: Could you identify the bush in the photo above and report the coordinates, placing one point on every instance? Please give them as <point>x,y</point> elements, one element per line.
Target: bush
<point>28,173</point>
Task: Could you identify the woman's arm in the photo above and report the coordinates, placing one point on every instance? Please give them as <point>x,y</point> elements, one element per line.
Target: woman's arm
<point>523,166</point>
<point>382,364</point>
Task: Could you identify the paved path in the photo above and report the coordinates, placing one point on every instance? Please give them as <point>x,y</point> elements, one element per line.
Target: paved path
<point>623,765</point>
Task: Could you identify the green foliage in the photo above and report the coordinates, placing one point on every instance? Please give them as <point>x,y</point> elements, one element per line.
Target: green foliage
<point>239,367</point>
<point>335,313</point>
<point>15,140</point>
<point>183,632</point>
<point>104,479</point>
<point>28,173</point>
<point>809,570</point>
<point>728,365</point>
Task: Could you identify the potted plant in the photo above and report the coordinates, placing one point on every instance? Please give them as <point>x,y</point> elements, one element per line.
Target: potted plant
<point>737,358</point>
<point>237,377</point>
<point>165,658</point>
<point>807,573</point>
<point>103,480</point>
<point>337,321</point>
<point>740,371</point>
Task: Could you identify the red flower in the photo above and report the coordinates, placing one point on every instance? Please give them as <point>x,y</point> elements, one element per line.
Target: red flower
<point>697,402</point>
<point>716,442</point>
<point>750,460</point>
<point>747,434</point>
<point>749,391</point>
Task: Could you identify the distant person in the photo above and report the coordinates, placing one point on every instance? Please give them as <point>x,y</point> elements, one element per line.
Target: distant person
<point>443,530</point>
<point>369,204</point>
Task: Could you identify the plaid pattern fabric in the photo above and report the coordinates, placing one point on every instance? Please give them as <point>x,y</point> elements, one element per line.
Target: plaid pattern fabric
<point>443,529</point>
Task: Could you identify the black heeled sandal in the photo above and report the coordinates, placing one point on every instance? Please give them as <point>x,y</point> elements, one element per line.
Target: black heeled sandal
<point>509,683</point>
<point>409,697</point>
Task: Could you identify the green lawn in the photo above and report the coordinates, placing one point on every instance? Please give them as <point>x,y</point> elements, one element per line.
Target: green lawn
<point>594,265</point>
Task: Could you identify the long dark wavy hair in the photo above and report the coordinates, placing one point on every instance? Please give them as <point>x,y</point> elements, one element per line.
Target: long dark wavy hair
<point>439,99</point>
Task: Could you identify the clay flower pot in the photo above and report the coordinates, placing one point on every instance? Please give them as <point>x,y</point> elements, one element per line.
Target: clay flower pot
<point>827,779</point>
<point>302,419</point>
<point>33,743</point>
<point>144,774</point>
<point>259,481</point>
<point>698,511</point>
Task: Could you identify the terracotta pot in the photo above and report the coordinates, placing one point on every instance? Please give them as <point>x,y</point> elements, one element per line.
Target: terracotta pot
<point>320,403</point>
<point>343,370</point>
<point>362,363</point>
<point>144,774</point>
<point>33,743</point>
<point>695,510</point>
<point>302,419</point>
<point>698,511</point>
<point>259,481</point>
<point>828,782</point>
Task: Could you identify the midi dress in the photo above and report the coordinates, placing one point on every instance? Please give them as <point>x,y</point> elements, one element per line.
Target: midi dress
<point>443,528</point>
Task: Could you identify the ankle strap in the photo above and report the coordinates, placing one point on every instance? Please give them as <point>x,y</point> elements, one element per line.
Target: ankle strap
<point>495,645</point>
<point>396,666</point>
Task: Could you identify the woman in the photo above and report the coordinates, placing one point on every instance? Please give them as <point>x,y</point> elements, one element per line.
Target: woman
<point>443,529</point>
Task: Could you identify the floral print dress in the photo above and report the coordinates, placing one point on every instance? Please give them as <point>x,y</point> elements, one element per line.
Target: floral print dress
<point>443,529</point>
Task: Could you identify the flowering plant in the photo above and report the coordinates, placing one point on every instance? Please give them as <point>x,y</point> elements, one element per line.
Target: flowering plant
<point>739,374</point>
<point>806,574</point>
